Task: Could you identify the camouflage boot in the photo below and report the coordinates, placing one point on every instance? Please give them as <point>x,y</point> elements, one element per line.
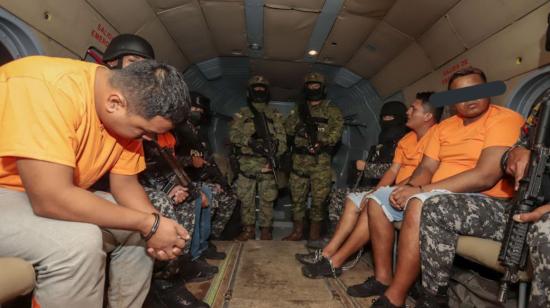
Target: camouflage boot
<point>266,234</point>
<point>248,233</point>
<point>297,232</point>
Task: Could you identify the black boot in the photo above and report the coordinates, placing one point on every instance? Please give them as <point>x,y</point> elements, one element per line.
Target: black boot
<point>197,270</point>
<point>212,253</point>
<point>429,300</point>
<point>168,294</point>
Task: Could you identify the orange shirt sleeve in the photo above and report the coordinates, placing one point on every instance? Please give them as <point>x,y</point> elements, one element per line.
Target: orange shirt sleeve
<point>36,121</point>
<point>399,155</point>
<point>503,130</point>
<point>434,144</point>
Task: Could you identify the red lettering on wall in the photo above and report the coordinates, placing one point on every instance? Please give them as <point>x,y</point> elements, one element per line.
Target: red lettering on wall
<point>451,69</point>
<point>102,35</point>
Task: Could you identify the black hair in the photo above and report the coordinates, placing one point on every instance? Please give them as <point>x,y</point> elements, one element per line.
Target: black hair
<point>153,89</point>
<point>424,97</point>
<point>465,72</point>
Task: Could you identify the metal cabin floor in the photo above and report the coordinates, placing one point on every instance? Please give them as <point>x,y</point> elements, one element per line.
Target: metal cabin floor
<point>265,274</point>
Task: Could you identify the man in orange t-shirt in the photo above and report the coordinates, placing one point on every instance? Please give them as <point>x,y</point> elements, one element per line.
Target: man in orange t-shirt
<point>461,165</point>
<point>65,123</point>
<point>352,231</point>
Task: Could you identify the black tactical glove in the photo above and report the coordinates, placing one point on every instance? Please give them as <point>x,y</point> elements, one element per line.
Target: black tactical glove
<point>258,146</point>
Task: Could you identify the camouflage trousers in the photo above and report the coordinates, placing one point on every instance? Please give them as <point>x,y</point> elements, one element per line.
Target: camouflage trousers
<point>246,188</point>
<point>444,218</point>
<point>319,182</point>
<point>337,200</point>
<point>222,206</point>
<point>183,213</point>
<point>539,249</point>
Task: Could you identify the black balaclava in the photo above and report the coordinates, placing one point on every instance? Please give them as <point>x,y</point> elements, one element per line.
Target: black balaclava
<point>255,96</point>
<point>314,94</point>
<point>392,131</point>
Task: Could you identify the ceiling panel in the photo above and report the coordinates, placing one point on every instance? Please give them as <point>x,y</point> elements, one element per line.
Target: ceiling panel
<point>226,22</point>
<point>307,5</point>
<point>473,24</point>
<point>413,17</point>
<point>286,33</point>
<point>370,8</point>
<point>383,44</point>
<point>166,49</point>
<point>406,68</point>
<point>441,43</point>
<point>162,5</point>
<point>282,73</point>
<point>186,24</point>
<point>116,12</point>
<point>348,33</point>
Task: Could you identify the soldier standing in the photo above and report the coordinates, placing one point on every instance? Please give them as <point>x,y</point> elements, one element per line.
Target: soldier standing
<point>315,127</point>
<point>256,155</point>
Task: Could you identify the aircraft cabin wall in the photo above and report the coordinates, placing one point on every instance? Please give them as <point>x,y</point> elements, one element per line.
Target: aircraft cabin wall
<point>503,37</point>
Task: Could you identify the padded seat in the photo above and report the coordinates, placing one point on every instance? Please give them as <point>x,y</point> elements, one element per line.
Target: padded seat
<point>17,278</point>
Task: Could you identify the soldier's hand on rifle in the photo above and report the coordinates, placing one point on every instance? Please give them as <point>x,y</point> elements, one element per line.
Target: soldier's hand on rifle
<point>534,215</point>
<point>266,168</point>
<point>197,161</point>
<point>257,145</point>
<point>518,159</point>
<point>360,164</point>
<point>178,194</point>
<point>315,148</point>
<point>168,241</point>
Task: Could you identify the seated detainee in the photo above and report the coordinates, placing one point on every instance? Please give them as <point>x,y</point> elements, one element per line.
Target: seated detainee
<point>65,123</point>
<point>352,231</point>
<point>393,117</point>
<point>441,226</point>
<point>461,161</point>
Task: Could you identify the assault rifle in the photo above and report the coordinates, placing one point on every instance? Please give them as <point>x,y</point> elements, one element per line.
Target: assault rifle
<point>181,177</point>
<point>368,159</point>
<point>514,250</point>
<point>309,125</point>
<point>269,144</point>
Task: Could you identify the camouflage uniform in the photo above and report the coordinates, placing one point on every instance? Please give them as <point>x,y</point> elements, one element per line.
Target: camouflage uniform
<point>539,249</point>
<point>313,171</point>
<point>250,179</point>
<point>444,218</point>
<point>222,206</point>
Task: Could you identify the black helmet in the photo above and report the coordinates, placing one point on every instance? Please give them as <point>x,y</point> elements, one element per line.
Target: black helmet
<point>128,44</point>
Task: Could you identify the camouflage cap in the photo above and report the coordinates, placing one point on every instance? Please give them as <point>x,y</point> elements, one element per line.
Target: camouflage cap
<point>258,79</point>
<point>314,77</point>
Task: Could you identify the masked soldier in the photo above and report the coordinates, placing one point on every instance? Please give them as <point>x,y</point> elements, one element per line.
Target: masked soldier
<point>315,127</point>
<point>258,136</point>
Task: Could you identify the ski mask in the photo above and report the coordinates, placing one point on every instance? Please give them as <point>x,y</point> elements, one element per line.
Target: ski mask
<point>392,130</point>
<point>314,94</point>
<point>258,96</point>
<point>195,117</point>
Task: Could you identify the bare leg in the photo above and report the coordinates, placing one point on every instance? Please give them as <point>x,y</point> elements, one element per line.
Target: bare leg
<point>382,234</point>
<point>357,239</point>
<point>408,251</point>
<point>343,229</point>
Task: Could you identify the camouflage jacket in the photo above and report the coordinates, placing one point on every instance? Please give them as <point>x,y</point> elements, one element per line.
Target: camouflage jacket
<point>330,124</point>
<point>242,130</point>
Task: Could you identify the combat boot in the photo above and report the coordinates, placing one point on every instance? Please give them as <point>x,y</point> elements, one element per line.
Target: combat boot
<point>248,233</point>
<point>266,234</point>
<point>314,231</point>
<point>297,232</point>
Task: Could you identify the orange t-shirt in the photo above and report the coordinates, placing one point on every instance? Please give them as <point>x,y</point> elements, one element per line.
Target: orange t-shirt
<point>458,147</point>
<point>47,112</point>
<point>166,140</point>
<point>409,153</point>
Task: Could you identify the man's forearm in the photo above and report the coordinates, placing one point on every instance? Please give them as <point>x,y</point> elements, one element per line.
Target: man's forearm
<point>129,193</point>
<point>468,181</point>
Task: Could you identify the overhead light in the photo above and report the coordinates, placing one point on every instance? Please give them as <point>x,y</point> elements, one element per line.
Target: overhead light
<point>255,46</point>
<point>312,52</point>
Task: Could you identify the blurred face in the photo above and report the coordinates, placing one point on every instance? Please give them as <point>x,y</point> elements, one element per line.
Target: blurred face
<point>471,109</point>
<point>129,59</point>
<point>416,116</point>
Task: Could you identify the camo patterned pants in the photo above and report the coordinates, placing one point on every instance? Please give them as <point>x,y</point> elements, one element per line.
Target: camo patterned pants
<point>446,216</point>
<point>539,249</point>
<point>183,213</point>
<point>223,205</point>
<point>336,203</point>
